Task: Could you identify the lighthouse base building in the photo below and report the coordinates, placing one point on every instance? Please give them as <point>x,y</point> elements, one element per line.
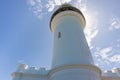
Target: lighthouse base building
<point>24,72</point>
<point>72,59</point>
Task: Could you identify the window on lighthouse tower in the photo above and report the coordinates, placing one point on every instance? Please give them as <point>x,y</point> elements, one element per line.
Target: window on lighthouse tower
<point>59,34</point>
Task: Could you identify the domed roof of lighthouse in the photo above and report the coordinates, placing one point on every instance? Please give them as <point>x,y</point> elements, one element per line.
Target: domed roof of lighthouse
<point>67,7</point>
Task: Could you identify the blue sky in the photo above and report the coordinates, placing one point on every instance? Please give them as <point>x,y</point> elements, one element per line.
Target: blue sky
<point>25,35</point>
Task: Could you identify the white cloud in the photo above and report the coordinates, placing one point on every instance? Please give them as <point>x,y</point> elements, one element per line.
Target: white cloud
<point>65,1</point>
<point>114,23</point>
<point>57,2</point>
<point>36,7</point>
<point>91,29</point>
<point>115,58</point>
<point>106,56</point>
<point>39,8</point>
<point>50,5</point>
<point>104,52</point>
<point>80,4</point>
<point>32,2</point>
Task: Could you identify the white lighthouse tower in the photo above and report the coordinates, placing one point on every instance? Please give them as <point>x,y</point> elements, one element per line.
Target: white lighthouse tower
<point>72,59</point>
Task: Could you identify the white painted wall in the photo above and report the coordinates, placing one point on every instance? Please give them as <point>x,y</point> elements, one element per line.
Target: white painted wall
<point>75,74</point>
<point>71,47</point>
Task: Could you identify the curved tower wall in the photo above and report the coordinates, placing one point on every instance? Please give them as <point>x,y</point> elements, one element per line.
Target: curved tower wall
<point>70,45</point>
<point>72,59</point>
<point>75,74</point>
